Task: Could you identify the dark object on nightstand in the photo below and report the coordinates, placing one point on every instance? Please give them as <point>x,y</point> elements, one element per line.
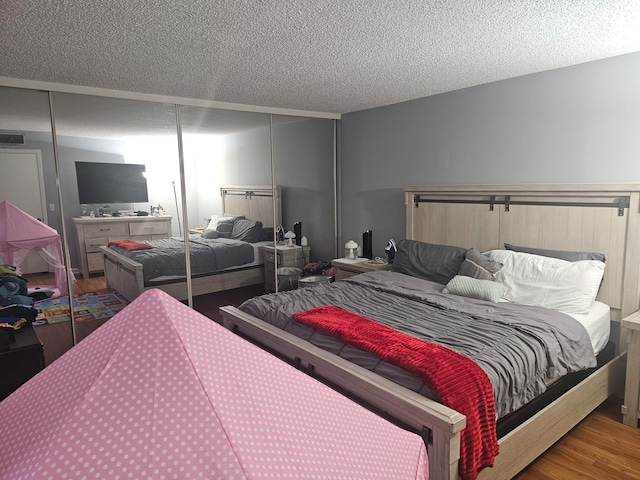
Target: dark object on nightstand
<point>297,229</point>
<point>367,244</point>
<point>22,360</point>
<point>390,250</point>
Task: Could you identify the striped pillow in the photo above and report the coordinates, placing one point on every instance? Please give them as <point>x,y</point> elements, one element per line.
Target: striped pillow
<point>475,288</point>
<point>479,265</point>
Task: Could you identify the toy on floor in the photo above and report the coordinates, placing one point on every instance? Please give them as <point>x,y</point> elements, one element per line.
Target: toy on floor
<point>40,293</point>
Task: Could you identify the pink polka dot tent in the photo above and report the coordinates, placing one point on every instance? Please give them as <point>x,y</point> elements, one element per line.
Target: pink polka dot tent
<point>160,391</point>
<point>20,234</point>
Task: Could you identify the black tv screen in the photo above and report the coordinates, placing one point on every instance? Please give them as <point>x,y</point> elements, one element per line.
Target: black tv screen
<point>100,183</point>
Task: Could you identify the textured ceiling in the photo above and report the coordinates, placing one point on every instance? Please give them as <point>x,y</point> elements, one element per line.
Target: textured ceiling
<point>313,55</point>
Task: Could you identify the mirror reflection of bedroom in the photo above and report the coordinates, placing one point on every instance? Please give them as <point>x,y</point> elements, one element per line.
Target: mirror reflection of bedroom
<point>131,193</point>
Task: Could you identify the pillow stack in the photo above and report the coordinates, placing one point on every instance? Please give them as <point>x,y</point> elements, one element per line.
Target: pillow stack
<point>235,227</point>
<point>556,279</point>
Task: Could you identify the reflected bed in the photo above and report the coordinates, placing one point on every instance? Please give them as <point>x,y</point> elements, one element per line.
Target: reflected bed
<point>214,267</point>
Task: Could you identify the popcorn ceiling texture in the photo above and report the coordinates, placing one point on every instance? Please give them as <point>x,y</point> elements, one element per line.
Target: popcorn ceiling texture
<point>315,55</point>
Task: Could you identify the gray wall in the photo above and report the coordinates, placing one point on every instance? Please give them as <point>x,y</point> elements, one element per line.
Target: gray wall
<point>578,124</point>
<point>303,167</point>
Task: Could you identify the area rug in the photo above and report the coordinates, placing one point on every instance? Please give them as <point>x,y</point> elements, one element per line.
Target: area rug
<point>102,304</point>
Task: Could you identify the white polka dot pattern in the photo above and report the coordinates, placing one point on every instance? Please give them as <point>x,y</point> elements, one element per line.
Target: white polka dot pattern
<point>160,391</point>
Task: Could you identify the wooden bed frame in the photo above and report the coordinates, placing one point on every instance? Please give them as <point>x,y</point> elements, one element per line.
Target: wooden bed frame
<point>254,202</point>
<point>590,217</point>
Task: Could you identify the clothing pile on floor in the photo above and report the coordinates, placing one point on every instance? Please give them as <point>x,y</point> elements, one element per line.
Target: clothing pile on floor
<point>16,304</point>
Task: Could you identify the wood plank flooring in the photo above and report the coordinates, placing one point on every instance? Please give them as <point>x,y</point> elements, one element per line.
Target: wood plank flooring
<point>600,447</point>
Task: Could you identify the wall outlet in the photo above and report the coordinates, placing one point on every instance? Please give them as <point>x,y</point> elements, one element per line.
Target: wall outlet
<point>52,207</point>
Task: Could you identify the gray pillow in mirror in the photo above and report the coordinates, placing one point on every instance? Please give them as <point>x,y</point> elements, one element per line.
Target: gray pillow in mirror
<point>561,254</point>
<point>225,227</point>
<point>210,233</point>
<point>247,230</point>
<point>437,263</point>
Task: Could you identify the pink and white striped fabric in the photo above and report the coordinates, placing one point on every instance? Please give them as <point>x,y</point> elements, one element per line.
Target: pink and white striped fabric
<point>161,391</point>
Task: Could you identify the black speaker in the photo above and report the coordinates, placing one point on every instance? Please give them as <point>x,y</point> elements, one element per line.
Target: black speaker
<point>367,244</point>
<point>297,229</point>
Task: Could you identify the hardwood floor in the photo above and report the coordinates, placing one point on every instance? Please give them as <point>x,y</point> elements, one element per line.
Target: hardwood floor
<point>209,304</point>
<point>599,448</point>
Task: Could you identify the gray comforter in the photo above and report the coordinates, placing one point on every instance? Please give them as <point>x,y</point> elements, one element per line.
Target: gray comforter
<point>167,257</point>
<point>520,347</point>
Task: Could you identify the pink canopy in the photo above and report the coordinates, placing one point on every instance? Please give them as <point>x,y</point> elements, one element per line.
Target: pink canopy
<point>161,391</point>
<point>20,233</point>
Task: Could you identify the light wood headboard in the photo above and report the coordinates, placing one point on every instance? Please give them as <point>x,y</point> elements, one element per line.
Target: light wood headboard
<point>254,202</point>
<point>601,218</point>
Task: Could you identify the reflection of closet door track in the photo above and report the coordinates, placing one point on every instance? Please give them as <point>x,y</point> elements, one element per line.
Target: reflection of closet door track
<point>22,183</point>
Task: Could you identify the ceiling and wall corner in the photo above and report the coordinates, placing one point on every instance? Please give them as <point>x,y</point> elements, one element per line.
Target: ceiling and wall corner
<point>321,56</point>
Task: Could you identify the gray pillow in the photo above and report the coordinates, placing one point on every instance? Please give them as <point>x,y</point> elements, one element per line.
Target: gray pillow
<point>210,233</point>
<point>247,230</point>
<point>267,233</point>
<point>475,288</point>
<point>479,265</point>
<point>437,263</point>
<point>225,227</point>
<point>561,254</point>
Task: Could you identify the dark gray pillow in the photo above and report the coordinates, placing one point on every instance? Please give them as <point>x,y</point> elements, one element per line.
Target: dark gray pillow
<point>210,233</point>
<point>267,233</point>
<point>478,265</point>
<point>561,254</point>
<point>437,263</point>
<point>225,227</point>
<point>247,230</point>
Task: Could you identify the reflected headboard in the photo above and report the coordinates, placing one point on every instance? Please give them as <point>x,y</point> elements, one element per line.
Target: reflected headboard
<point>254,202</point>
<point>601,218</point>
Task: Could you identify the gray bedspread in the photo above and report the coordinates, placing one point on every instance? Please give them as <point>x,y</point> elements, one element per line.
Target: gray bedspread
<point>167,257</point>
<point>519,347</point>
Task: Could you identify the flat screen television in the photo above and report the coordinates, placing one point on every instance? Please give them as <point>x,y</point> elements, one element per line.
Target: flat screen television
<point>101,183</point>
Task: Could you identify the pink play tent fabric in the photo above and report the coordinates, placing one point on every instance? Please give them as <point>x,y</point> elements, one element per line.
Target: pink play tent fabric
<point>20,233</point>
<point>160,391</point>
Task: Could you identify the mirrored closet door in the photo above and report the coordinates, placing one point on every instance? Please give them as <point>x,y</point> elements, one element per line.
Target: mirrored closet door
<point>124,172</point>
<point>119,175</point>
<point>230,204</point>
<point>304,168</point>
<point>31,216</point>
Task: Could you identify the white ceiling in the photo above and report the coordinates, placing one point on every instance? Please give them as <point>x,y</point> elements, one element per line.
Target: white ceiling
<point>312,55</point>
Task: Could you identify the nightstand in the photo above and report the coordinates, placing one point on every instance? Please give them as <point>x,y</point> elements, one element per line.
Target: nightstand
<point>23,359</point>
<point>630,409</point>
<point>295,256</point>
<point>345,268</point>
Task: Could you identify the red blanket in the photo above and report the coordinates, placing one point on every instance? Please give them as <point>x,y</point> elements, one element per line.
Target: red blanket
<point>129,244</point>
<point>457,380</point>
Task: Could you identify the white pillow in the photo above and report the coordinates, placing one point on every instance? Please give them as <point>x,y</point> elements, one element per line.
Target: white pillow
<point>549,282</point>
